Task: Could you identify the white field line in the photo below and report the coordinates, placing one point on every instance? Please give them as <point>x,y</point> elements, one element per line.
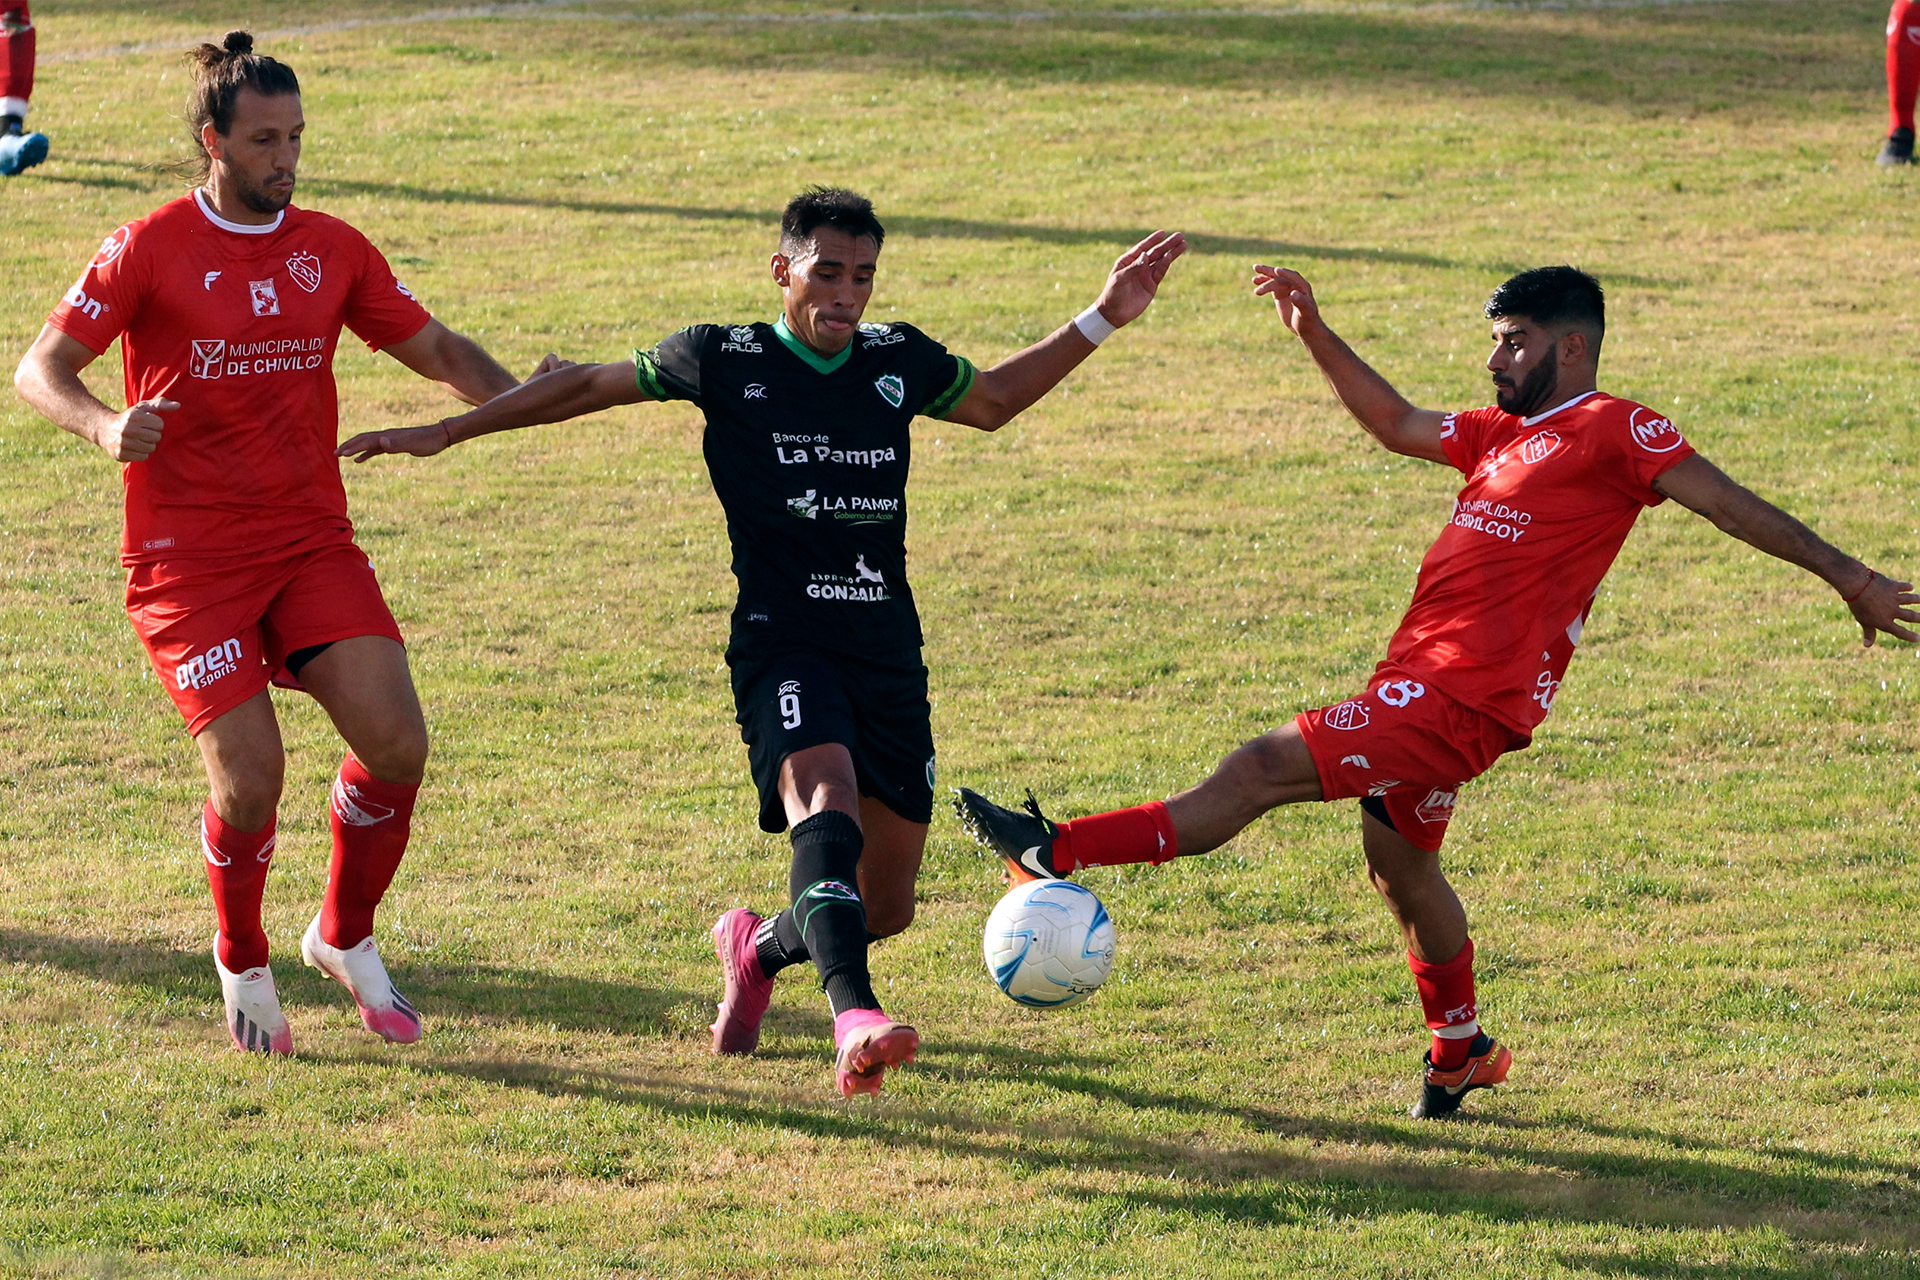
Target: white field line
<point>570,11</point>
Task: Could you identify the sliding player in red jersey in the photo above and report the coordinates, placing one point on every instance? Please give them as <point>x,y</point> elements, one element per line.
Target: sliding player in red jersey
<point>1556,476</point>
<point>241,564</point>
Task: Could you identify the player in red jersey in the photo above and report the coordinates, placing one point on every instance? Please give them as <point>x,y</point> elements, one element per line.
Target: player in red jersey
<point>1556,476</point>
<point>241,565</point>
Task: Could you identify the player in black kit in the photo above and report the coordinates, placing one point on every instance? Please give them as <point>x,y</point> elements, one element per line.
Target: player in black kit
<point>807,444</point>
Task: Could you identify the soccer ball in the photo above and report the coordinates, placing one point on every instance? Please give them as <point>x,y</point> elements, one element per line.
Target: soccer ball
<point>1049,943</point>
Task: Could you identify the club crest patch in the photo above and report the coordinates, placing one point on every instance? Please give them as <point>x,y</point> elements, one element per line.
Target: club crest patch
<point>891,389</point>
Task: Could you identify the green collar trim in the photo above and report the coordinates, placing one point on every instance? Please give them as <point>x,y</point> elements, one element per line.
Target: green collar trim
<point>819,362</point>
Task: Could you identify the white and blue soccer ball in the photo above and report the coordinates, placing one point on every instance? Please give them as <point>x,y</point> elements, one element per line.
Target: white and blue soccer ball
<point>1049,943</point>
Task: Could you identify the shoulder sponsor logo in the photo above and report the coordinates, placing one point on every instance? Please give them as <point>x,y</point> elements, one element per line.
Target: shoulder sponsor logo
<point>209,357</point>
<point>206,281</point>
<point>404,292</point>
<point>1398,693</point>
<point>755,391</point>
<point>202,669</point>
<point>1539,447</point>
<point>879,335</point>
<point>806,506</point>
<point>1654,433</point>
<point>742,338</point>
<point>1437,807</point>
<point>891,388</point>
<point>266,300</point>
<point>77,298</point>
<point>305,270</point>
<point>1348,715</point>
<point>110,248</point>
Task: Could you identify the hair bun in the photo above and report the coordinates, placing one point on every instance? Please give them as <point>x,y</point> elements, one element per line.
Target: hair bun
<point>239,42</point>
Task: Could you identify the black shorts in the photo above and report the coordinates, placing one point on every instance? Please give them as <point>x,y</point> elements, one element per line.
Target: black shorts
<point>788,697</point>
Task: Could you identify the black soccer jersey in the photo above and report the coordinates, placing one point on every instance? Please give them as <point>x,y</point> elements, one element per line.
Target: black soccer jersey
<point>809,458</point>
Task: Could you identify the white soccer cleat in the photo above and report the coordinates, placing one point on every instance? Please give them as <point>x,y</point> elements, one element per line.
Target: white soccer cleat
<point>254,1019</point>
<point>358,968</point>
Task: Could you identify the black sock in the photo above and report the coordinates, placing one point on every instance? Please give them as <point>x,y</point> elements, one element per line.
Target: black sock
<point>12,126</point>
<point>778,943</point>
<point>827,907</point>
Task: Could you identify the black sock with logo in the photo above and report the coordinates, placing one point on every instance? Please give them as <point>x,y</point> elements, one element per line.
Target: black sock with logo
<point>778,943</point>
<point>826,907</point>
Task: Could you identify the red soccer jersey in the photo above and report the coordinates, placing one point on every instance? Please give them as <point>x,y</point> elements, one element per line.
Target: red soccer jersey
<point>238,324</point>
<point>1505,590</point>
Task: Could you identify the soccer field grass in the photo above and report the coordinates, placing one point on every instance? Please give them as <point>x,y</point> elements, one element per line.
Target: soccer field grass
<point>1691,897</point>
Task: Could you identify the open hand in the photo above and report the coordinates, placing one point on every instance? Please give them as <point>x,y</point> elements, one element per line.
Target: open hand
<point>1136,276</point>
<point>421,442</point>
<point>1292,297</point>
<point>134,433</point>
<point>1883,606</point>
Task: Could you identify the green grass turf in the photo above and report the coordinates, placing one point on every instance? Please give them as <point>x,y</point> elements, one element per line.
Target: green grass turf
<point>1692,896</point>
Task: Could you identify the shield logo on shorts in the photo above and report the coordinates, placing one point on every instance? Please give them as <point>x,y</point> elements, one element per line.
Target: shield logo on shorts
<point>1348,715</point>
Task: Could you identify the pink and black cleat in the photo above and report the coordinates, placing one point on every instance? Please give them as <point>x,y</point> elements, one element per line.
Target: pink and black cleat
<point>869,1042</point>
<point>254,1020</point>
<point>737,1028</point>
<point>385,1011</point>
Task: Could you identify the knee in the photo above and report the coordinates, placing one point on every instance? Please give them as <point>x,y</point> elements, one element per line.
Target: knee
<point>1266,767</point>
<point>248,798</point>
<point>885,919</point>
<point>399,756</point>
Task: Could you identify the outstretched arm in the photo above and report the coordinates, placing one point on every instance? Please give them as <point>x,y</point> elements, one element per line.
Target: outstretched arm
<point>1001,393</point>
<point>48,378</point>
<point>1387,415</point>
<point>455,361</point>
<point>555,396</point>
<point>1879,603</point>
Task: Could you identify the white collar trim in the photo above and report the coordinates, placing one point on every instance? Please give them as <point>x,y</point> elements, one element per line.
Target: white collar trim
<point>1542,417</point>
<point>241,228</point>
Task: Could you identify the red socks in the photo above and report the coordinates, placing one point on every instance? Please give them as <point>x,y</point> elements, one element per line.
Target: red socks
<point>371,822</point>
<point>1903,63</point>
<point>1143,833</point>
<point>237,863</point>
<point>1446,997</point>
<point>16,39</point>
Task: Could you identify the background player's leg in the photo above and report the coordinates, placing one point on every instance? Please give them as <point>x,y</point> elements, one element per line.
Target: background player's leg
<point>18,149</point>
<point>246,765</point>
<point>364,685</point>
<point>367,691</point>
<point>1439,952</point>
<point>889,867</point>
<point>1903,80</point>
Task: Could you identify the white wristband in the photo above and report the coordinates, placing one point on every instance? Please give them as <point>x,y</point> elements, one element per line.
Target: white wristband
<point>1093,326</point>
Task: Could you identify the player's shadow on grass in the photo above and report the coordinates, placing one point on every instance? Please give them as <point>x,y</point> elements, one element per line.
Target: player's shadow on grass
<point>1341,1169</point>
<point>483,993</point>
<point>927,225</point>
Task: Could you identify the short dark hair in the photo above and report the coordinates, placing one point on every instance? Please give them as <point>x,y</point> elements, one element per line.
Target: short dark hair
<point>835,207</point>
<point>220,72</point>
<point>1553,297</point>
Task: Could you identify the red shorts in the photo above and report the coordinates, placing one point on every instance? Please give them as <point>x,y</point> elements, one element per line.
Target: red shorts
<point>218,631</point>
<point>1408,744</point>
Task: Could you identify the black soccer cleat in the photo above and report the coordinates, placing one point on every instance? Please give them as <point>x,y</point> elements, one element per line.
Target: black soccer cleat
<point>1898,148</point>
<point>1025,840</point>
<point>1441,1091</point>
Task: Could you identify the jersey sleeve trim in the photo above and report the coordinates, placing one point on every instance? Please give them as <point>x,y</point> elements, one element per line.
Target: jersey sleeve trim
<point>59,321</point>
<point>646,376</point>
<point>944,403</point>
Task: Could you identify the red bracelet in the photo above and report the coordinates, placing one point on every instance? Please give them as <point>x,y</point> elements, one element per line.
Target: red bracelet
<point>1871,575</point>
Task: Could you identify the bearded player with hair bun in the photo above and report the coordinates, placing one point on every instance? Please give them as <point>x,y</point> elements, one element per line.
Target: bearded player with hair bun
<point>241,565</point>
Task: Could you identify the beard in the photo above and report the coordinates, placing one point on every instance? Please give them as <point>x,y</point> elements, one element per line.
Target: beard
<point>259,199</point>
<point>1532,395</point>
